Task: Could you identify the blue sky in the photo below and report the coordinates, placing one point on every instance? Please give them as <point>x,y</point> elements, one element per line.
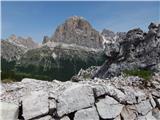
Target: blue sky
<point>37,19</point>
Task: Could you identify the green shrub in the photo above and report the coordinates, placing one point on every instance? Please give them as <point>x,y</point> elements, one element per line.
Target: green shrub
<point>145,74</point>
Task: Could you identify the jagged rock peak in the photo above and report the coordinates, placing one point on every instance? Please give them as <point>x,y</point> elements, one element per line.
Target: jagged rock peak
<point>27,43</point>
<point>45,39</point>
<point>138,50</point>
<point>108,33</point>
<point>77,30</point>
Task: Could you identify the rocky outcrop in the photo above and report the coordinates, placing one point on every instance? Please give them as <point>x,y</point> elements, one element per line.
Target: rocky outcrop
<point>111,37</point>
<point>119,98</point>
<point>77,30</point>
<point>138,50</point>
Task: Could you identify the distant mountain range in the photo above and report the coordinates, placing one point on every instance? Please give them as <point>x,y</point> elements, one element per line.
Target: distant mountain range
<point>75,45</point>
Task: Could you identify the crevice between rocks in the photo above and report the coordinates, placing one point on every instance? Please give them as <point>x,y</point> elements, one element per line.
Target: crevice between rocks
<point>20,112</point>
<point>71,115</point>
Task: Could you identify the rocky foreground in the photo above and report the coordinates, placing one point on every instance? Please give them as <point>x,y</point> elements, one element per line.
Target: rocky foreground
<point>119,98</point>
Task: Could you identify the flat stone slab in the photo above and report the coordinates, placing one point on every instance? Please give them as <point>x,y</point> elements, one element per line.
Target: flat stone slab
<point>75,98</point>
<point>87,114</point>
<point>35,104</point>
<point>108,108</point>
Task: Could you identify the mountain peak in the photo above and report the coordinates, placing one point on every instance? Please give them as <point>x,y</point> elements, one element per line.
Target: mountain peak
<point>77,30</point>
<point>26,43</point>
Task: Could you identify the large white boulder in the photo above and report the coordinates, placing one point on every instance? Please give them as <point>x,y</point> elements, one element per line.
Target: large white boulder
<point>108,108</point>
<point>75,98</point>
<point>87,114</point>
<point>8,111</point>
<point>35,104</point>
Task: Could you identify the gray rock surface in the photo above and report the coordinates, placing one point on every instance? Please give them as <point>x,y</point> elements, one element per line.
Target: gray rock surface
<point>108,108</point>
<point>87,114</point>
<point>75,98</point>
<point>9,111</point>
<point>35,104</point>
<point>77,30</point>
<point>138,50</point>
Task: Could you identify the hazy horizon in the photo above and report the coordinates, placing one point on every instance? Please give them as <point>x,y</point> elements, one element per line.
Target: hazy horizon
<point>36,19</point>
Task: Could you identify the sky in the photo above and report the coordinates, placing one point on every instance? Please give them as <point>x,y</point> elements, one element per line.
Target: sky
<point>37,19</point>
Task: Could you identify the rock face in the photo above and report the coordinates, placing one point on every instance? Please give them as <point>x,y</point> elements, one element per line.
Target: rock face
<point>76,30</point>
<point>118,98</point>
<point>138,50</point>
<point>111,37</point>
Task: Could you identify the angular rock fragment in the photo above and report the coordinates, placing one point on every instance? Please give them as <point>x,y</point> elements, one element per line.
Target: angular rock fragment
<point>108,108</point>
<point>144,107</point>
<point>35,104</point>
<point>75,98</point>
<point>87,114</point>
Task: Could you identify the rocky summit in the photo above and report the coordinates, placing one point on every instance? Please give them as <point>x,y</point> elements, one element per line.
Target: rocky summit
<point>77,30</point>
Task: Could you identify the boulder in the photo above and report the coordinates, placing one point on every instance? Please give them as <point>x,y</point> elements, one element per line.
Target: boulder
<point>144,107</point>
<point>75,98</point>
<point>65,118</point>
<point>87,114</point>
<point>9,111</point>
<point>35,104</point>
<point>108,108</point>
